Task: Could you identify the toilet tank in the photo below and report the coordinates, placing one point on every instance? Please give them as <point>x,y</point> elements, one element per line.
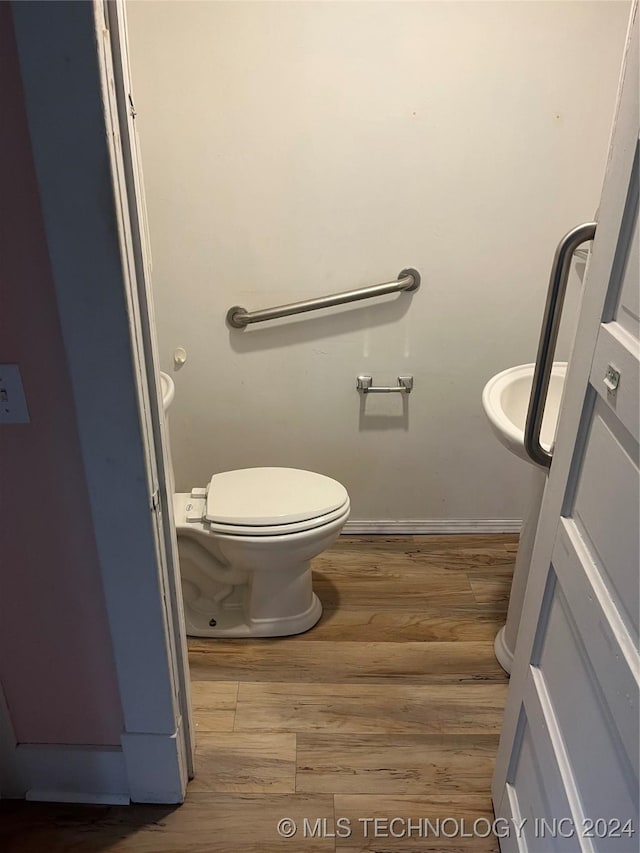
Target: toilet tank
<point>168,393</point>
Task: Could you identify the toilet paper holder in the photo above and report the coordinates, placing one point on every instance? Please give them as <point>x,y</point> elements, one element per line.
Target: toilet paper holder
<point>365,385</point>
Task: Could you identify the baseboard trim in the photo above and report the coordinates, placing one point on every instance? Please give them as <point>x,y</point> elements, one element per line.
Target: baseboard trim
<point>434,526</point>
<point>147,768</point>
<point>73,774</point>
<point>37,796</point>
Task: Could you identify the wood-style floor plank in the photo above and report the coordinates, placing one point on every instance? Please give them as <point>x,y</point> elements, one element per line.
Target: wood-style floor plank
<point>486,553</point>
<point>340,662</point>
<point>466,543</point>
<point>369,586</point>
<point>368,709</point>
<point>429,624</point>
<point>204,823</point>
<point>245,762</point>
<point>492,591</point>
<point>402,823</point>
<point>395,764</point>
<point>214,705</point>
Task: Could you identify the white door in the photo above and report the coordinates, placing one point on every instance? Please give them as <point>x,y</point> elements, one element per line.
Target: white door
<point>130,190</point>
<point>568,759</point>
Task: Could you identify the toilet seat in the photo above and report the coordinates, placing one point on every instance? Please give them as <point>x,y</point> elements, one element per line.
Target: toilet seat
<point>279,529</point>
<point>268,501</point>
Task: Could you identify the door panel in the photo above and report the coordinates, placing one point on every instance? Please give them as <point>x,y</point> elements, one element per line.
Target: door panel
<point>537,791</point>
<point>610,527</point>
<point>602,634</point>
<point>593,746</point>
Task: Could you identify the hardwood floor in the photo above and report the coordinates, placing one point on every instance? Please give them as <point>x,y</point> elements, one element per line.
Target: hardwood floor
<point>389,708</point>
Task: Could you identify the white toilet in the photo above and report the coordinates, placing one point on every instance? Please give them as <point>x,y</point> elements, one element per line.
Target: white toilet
<point>245,542</point>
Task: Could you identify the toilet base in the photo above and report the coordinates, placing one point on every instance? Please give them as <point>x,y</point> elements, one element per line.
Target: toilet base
<point>231,623</point>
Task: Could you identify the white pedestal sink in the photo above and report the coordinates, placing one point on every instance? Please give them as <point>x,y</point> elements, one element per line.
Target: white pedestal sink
<point>505,400</point>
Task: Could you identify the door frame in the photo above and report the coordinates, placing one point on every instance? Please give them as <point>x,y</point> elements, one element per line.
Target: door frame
<point>129,186</point>
<point>66,61</point>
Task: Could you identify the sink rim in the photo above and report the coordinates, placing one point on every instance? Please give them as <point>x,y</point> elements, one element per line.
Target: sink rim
<point>503,427</point>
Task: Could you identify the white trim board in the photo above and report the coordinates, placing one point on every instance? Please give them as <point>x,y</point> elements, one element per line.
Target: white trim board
<point>433,526</point>
<point>74,774</point>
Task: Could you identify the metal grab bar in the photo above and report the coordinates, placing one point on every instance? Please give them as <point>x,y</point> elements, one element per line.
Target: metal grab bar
<point>548,338</point>
<point>408,280</point>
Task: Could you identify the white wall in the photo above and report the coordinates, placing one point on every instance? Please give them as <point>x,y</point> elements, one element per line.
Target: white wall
<point>295,149</point>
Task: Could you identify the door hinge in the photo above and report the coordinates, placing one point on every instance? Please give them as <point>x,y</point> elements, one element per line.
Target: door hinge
<point>155,501</point>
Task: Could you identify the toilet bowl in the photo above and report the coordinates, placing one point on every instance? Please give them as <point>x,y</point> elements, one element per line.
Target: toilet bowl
<point>245,542</point>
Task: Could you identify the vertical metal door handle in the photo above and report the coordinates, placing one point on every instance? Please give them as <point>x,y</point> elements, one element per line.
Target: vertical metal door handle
<point>548,338</point>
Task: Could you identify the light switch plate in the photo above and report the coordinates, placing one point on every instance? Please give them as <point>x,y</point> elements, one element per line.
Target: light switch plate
<point>13,405</point>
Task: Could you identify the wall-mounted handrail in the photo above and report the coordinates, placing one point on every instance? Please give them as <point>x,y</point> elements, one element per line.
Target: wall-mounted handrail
<point>548,337</point>
<point>408,280</point>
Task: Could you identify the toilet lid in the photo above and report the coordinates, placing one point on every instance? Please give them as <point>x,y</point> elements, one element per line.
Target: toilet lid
<point>271,496</point>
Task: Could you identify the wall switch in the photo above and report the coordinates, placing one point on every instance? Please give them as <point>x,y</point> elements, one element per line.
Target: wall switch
<point>13,406</point>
